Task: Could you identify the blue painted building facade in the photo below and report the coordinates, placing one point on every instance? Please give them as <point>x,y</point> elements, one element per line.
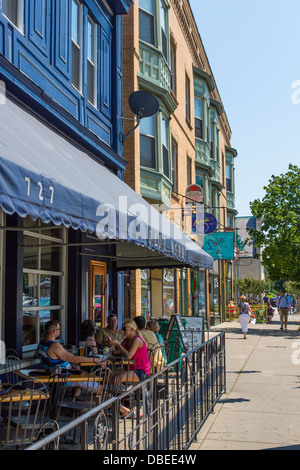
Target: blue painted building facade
<point>61,62</point>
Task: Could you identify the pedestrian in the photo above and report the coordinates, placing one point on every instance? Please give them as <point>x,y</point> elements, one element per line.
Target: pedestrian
<point>270,312</point>
<point>266,299</point>
<point>244,311</point>
<point>283,305</point>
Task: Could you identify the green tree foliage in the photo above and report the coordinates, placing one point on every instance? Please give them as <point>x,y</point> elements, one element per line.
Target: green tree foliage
<point>280,232</point>
<point>293,288</point>
<point>252,288</point>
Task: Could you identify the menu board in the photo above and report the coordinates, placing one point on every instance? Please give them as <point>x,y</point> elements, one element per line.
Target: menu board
<point>191,335</point>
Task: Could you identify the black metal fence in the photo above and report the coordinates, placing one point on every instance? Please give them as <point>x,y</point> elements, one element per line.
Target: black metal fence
<point>166,411</point>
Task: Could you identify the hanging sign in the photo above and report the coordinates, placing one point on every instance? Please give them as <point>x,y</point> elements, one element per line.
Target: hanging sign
<point>194,194</point>
<point>203,223</point>
<point>220,245</point>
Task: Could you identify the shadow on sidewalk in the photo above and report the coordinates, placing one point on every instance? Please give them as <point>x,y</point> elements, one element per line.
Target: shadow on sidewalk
<point>266,329</point>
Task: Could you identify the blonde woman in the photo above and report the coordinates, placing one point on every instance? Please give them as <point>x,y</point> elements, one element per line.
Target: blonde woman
<point>244,311</point>
<point>133,346</point>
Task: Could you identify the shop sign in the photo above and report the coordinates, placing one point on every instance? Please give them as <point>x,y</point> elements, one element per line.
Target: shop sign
<point>220,245</point>
<point>194,194</point>
<point>203,223</point>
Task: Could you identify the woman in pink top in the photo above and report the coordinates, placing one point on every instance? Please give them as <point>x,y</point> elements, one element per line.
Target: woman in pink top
<point>133,347</point>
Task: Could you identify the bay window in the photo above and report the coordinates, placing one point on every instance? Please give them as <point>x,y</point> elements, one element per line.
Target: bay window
<point>146,21</point>
<point>165,146</point>
<point>147,142</point>
<point>228,178</point>
<point>198,118</point>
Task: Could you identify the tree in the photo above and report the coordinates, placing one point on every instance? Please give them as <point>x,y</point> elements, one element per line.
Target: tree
<point>252,288</point>
<point>293,288</point>
<point>279,236</point>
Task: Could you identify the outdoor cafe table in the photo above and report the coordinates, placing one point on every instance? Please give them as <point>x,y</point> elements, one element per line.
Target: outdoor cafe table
<point>25,374</point>
<point>21,395</point>
<point>83,377</point>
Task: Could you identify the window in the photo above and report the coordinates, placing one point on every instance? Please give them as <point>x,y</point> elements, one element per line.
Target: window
<point>228,178</point>
<point>163,22</point>
<point>213,203</point>
<point>187,98</point>
<point>174,165</point>
<point>173,67</point>
<point>92,62</point>
<point>146,21</point>
<point>42,279</point>
<point>198,118</point>
<point>229,221</point>
<point>147,142</point>
<point>165,146</point>
<point>200,180</point>
<point>211,141</point>
<point>76,45</point>
<point>189,172</point>
<point>13,10</point>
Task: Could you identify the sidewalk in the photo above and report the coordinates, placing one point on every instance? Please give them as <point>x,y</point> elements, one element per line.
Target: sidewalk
<point>260,409</point>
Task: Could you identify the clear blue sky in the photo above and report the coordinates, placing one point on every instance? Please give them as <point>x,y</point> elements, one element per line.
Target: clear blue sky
<point>254,51</point>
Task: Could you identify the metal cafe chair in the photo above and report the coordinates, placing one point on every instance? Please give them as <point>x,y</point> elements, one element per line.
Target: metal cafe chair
<point>156,357</point>
<point>12,363</point>
<point>22,414</point>
<point>57,386</point>
<point>95,391</point>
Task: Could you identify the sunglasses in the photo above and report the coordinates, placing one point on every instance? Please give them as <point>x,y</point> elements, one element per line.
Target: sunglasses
<point>125,328</point>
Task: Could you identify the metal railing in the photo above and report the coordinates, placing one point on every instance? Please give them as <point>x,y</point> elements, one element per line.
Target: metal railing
<point>167,409</point>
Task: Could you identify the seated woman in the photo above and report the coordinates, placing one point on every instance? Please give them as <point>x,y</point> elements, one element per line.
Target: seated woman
<point>132,347</point>
<point>160,358</point>
<point>87,336</point>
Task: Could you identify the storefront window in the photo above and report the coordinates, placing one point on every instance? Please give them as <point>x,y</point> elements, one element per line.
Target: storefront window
<point>183,292</point>
<point>145,294</point>
<point>214,313</point>
<point>42,279</point>
<point>198,292</point>
<point>168,292</point>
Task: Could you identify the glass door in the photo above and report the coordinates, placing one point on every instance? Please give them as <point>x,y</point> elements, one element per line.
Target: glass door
<point>97,293</point>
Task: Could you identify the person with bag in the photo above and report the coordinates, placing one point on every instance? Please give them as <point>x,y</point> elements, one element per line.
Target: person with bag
<point>283,306</point>
<point>244,311</point>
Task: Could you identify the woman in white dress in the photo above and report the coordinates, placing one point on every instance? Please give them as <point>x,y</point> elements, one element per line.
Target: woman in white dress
<point>244,311</point>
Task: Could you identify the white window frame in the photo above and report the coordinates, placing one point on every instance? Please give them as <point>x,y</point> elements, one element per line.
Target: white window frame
<point>79,44</point>
<point>93,63</point>
<point>61,306</point>
<point>20,15</point>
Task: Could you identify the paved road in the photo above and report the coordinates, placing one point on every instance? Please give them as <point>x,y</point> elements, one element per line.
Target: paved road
<point>260,409</point>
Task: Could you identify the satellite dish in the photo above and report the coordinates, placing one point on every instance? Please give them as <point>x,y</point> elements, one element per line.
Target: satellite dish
<point>142,104</point>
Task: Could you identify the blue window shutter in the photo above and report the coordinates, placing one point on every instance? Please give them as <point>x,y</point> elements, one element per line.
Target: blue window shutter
<point>39,25</point>
<point>62,37</point>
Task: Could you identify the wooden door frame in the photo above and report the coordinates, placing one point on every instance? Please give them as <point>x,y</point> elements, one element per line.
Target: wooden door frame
<point>100,264</point>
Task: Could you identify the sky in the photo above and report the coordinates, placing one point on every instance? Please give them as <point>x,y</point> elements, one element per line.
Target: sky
<point>253,48</point>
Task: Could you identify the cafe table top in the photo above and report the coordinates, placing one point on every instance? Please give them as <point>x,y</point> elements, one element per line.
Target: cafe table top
<point>18,395</point>
<point>25,374</point>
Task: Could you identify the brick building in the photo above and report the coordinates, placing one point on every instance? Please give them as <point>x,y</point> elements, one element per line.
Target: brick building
<point>187,142</point>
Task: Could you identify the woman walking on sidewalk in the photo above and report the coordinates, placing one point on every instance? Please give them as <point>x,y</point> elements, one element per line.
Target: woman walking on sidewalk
<point>244,311</point>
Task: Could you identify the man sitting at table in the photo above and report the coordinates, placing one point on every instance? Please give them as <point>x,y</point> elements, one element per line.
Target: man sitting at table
<point>110,331</point>
<point>52,353</point>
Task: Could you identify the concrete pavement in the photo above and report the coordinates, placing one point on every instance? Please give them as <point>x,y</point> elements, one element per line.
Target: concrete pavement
<point>260,409</point>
